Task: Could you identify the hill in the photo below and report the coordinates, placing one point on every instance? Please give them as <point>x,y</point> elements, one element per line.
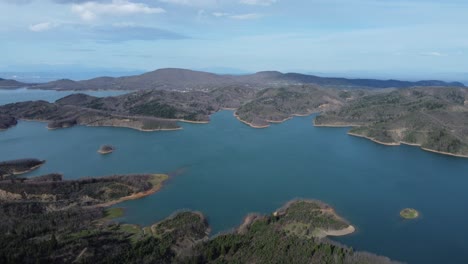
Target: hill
<point>144,110</point>
<point>276,105</point>
<point>12,84</point>
<point>188,80</point>
<point>433,118</point>
<point>7,121</point>
<point>162,79</point>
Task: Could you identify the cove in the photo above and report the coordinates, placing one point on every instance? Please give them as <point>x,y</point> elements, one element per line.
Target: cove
<point>226,170</point>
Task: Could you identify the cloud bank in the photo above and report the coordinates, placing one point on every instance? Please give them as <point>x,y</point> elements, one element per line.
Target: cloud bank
<point>89,11</point>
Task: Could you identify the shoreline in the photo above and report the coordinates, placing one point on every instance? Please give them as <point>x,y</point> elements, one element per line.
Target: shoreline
<point>279,121</point>
<point>180,120</point>
<point>193,122</point>
<point>409,214</point>
<point>134,128</point>
<point>393,144</point>
<point>154,130</point>
<point>249,124</point>
<point>247,222</point>
<point>332,125</point>
<point>325,208</point>
<point>105,152</point>
<point>340,232</point>
<point>270,121</point>
<point>29,170</point>
<point>135,196</point>
<point>90,125</point>
<point>409,144</point>
<point>303,115</point>
<point>445,153</point>
<point>266,126</point>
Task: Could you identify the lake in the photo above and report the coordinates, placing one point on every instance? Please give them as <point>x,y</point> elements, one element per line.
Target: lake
<point>226,170</point>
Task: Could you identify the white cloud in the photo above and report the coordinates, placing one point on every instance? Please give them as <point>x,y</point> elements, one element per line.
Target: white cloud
<point>217,3</point>
<point>246,16</point>
<point>432,53</point>
<point>220,14</point>
<point>237,16</point>
<point>42,26</point>
<point>91,10</point>
<point>199,3</point>
<point>258,2</point>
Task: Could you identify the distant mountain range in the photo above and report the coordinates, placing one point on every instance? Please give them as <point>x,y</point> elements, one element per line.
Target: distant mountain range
<point>184,80</point>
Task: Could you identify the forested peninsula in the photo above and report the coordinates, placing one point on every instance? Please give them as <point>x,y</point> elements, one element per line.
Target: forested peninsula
<point>48,219</point>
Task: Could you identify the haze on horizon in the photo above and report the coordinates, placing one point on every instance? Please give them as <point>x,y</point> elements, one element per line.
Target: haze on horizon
<point>367,38</point>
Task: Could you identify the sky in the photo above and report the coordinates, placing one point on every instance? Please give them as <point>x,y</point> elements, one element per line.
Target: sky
<point>364,37</point>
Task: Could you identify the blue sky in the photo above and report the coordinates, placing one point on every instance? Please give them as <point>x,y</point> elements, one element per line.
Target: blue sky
<point>370,37</point>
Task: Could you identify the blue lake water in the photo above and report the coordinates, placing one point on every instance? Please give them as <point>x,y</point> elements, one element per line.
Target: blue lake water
<point>226,170</point>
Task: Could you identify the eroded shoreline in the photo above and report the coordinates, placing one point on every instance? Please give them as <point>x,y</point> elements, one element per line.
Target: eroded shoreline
<point>395,144</point>
<point>249,124</point>
<point>139,195</point>
<point>340,232</point>
<point>271,121</point>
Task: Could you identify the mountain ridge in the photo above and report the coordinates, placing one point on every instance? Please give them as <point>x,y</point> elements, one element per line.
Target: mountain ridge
<point>191,80</point>
<point>11,84</point>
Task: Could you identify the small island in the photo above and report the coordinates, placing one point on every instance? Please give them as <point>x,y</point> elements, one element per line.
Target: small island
<point>409,213</point>
<point>106,149</point>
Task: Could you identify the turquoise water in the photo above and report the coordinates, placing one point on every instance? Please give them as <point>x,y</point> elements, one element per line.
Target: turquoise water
<point>23,94</point>
<point>226,170</point>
